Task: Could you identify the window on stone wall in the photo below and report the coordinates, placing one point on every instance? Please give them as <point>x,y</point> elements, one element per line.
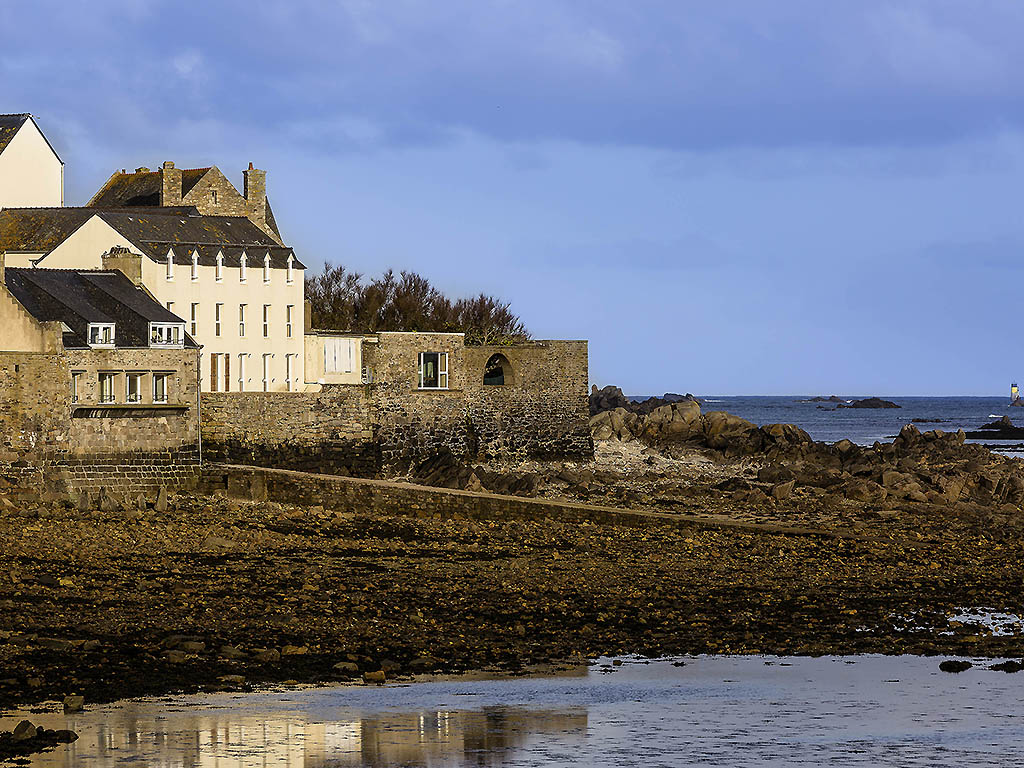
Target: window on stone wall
<point>107,387</point>
<point>433,370</point>
<point>101,334</point>
<point>159,387</point>
<point>497,371</point>
<point>76,383</point>
<point>133,387</point>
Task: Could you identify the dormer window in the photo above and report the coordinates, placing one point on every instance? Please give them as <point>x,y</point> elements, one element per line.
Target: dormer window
<point>195,265</point>
<point>219,275</point>
<point>101,334</point>
<point>170,264</point>
<point>166,334</point>
<point>266,268</point>
<point>243,268</point>
<point>291,269</point>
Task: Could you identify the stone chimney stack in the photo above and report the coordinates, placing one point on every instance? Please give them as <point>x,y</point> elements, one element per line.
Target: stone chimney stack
<point>255,194</point>
<point>120,258</point>
<point>170,184</point>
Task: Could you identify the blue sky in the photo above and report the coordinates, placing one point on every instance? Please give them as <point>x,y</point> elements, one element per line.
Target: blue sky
<point>729,197</point>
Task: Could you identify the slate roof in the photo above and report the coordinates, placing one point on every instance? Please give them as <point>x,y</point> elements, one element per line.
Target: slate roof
<point>140,188</point>
<point>153,231</point>
<point>79,297</point>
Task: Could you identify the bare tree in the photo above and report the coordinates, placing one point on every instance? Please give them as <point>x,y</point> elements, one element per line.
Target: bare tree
<point>341,300</point>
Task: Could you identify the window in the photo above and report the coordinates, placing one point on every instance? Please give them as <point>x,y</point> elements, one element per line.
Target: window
<point>220,372</point>
<point>339,355</point>
<point>133,387</point>
<point>497,371</point>
<point>76,381</point>
<point>266,371</point>
<point>219,273</point>
<point>107,387</point>
<point>433,370</point>
<point>195,318</point>
<point>266,321</point>
<point>291,269</point>
<point>266,268</point>
<point>213,196</point>
<point>159,387</point>
<point>195,265</point>
<point>166,334</point>
<point>288,370</point>
<point>241,320</point>
<point>288,320</point>
<point>216,318</point>
<point>241,371</point>
<point>170,306</point>
<point>243,268</point>
<point>101,334</point>
<point>170,264</point>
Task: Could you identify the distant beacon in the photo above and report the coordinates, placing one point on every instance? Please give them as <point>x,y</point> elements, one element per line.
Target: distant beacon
<point>1014,393</point>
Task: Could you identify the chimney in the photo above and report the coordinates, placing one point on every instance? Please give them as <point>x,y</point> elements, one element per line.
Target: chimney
<point>120,258</point>
<point>170,184</point>
<point>255,193</point>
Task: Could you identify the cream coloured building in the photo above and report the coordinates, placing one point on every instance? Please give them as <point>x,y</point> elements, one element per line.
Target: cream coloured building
<point>239,292</point>
<point>31,173</point>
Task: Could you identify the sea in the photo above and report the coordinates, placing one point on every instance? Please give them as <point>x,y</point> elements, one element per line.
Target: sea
<point>693,711</point>
<point>865,426</point>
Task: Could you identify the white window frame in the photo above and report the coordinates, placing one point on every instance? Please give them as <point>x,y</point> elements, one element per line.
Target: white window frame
<point>241,320</point>
<point>243,268</point>
<point>442,370</point>
<point>266,268</point>
<point>288,370</point>
<point>162,378</point>
<point>266,321</point>
<point>241,370</point>
<point>110,396</point>
<point>339,355</point>
<point>195,266</point>
<point>266,371</point>
<point>218,274</point>
<point>76,377</point>
<point>194,317</point>
<point>129,377</point>
<point>288,311</point>
<point>170,264</point>
<point>170,306</point>
<point>291,269</point>
<point>107,335</point>
<point>217,312</point>
<point>173,332</point>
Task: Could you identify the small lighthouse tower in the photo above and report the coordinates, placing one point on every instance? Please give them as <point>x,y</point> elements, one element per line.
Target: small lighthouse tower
<point>1014,393</point>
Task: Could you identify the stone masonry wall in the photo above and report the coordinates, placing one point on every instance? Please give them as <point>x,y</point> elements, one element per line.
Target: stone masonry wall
<point>328,431</point>
<point>44,439</point>
<point>368,430</point>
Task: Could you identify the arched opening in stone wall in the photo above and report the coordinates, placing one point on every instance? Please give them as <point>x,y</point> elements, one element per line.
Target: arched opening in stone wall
<point>498,371</point>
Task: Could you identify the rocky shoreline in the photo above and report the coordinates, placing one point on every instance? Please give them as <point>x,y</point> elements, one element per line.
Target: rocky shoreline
<point>188,592</point>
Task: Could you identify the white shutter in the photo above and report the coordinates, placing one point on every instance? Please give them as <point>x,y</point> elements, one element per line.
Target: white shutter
<point>349,354</point>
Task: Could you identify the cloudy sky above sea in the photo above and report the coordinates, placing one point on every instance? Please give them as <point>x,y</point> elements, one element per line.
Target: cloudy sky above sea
<point>751,197</point>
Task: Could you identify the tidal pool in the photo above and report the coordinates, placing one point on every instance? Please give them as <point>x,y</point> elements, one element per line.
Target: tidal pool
<point>720,711</point>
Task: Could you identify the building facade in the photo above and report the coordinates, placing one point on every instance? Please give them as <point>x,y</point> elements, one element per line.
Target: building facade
<point>239,292</point>
<point>31,172</point>
<point>98,382</point>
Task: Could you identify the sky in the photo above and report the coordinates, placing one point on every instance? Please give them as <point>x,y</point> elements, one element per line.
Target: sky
<point>738,197</point>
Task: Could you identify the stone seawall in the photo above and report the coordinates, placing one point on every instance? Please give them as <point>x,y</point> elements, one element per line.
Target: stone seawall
<point>369,430</point>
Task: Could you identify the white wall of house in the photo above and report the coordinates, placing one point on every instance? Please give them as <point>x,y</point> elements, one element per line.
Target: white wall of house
<point>283,345</point>
<point>245,348</point>
<point>334,358</point>
<point>31,175</point>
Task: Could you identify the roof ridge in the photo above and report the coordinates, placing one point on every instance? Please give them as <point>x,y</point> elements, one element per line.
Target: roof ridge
<point>16,114</point>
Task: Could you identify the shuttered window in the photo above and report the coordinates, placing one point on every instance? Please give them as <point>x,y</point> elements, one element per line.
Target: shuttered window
<point>340,355</point>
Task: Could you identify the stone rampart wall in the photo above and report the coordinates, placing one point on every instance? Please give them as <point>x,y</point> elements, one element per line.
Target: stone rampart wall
<point>364,430</point>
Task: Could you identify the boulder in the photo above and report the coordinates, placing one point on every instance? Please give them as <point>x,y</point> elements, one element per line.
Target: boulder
<point>721,429</point>
<point>858,489</point>
<point>955,666</point>
<point>607,399</point>
<point>73,704</point>
<point>783,491</point>
<point>869,402</point>
<point>24,731</point>
<point>379,677</point>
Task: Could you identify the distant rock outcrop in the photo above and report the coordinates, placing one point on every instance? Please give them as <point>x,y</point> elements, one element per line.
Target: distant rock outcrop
<point>609,398</point>
<point>1001,429</point>
<point>870,402</point>
<point>820,399</point>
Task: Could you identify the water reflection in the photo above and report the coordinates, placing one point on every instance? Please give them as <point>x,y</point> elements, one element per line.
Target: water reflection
<point>148,734</point>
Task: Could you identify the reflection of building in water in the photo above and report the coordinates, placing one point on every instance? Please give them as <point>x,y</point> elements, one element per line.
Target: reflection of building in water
<point>145,735</point>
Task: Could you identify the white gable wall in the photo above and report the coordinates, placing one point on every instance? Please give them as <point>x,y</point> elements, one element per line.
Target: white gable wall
<point>31,175</point>
<point>85,247</point>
